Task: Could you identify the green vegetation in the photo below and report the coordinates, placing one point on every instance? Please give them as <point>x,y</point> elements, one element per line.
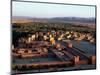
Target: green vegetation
<point>33,27</point>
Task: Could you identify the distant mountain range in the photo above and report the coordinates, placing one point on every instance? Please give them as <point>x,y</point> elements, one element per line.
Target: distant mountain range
<point>77,20</point>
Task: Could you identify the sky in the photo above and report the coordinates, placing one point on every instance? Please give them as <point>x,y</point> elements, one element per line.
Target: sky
<point>43,10</point>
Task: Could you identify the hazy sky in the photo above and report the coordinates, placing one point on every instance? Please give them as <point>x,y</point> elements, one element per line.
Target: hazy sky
<point>51,10</point>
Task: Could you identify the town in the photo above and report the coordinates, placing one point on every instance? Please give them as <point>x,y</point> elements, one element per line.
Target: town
<point>50,50</point>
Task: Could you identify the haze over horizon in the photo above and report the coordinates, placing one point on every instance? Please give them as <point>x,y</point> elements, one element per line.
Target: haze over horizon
<point>43,10</point>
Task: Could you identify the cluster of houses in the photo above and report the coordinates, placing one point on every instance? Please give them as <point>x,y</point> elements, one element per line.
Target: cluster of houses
<point>53,36</point>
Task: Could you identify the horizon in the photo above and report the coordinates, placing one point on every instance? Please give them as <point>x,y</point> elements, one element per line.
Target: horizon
<point>53,17</point>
